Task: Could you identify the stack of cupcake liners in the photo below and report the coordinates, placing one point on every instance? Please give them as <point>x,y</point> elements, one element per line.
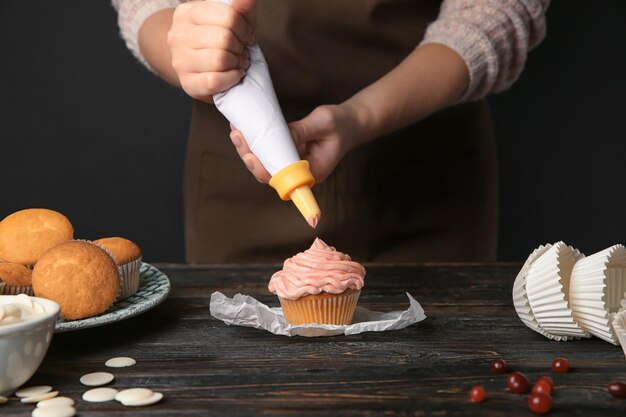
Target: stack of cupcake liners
<point>563,295</point>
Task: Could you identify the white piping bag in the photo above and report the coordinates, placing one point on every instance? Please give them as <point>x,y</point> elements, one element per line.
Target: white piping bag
<point>252,107</point>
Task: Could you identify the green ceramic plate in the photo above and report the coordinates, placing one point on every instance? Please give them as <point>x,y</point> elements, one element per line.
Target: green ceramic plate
<point>154,286</point>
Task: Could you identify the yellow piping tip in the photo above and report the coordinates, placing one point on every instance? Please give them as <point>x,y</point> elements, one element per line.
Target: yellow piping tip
<point>303,198</point>
<point>294,183</point>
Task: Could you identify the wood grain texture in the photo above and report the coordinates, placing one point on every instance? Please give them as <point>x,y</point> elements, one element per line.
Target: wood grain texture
<point>206,368</point>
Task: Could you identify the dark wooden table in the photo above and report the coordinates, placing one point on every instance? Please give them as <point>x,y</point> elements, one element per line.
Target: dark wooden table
<point>206,368</point>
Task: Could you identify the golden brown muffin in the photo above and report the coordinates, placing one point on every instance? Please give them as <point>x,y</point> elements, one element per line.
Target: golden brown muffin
<point>123,250</point>
<point>81,277</point>
<point>26,234</point>
<point>128,258</point>
<point>15,274</point>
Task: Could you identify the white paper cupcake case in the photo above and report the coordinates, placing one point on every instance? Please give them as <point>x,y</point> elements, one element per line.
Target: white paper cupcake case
<point>596,288</point>
<point>129,275</point>
<point>16,289</point>
<point>520,299</point>
<point>335,310</point>
<point>547,286</point>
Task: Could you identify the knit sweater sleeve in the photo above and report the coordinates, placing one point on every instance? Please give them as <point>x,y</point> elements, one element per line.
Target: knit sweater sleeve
<point>130,16</point>
<point>492,36</point>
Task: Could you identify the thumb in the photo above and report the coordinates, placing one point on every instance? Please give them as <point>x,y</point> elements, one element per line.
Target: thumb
<point>247,8</point>
<point>305,130</point>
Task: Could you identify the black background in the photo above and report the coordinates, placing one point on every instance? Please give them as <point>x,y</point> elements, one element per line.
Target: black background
<point>86,130</point>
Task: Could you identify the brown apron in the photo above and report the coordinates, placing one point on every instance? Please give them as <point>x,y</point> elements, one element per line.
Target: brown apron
<point>426,193</point>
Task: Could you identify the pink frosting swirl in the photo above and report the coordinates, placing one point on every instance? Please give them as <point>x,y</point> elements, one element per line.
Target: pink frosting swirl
<point>319,269</point>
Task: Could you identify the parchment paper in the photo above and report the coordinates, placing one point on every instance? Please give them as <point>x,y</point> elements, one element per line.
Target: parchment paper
<point>243,310</point>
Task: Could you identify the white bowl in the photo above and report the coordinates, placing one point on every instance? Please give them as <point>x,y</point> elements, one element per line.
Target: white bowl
<point>24,345</point>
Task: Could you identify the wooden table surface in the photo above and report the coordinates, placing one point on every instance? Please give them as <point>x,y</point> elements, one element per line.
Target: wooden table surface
<point>206,368</point>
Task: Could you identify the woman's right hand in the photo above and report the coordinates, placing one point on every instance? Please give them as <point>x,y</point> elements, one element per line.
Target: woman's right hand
<point>208,43</point>
<point>323,138</point>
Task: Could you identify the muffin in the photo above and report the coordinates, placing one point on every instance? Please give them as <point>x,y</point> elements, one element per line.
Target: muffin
<point>26,234</point>
<point>127,255</point>
<point>80,276</point>
<point>320,285</point>
<point>15,278</point>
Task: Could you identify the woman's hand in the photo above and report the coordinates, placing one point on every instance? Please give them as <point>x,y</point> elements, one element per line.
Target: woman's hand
<point>322,138</point>
<point>431,78</point>
<point>208,42</point>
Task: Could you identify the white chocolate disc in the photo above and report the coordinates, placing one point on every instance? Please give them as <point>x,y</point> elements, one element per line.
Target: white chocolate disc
<point>100,395</point>
<point>56,411</point>
<point>95,379</point>
<point>35,390</point>
<point>120,362</point>
<point>40,397</point>
<point>133,395</point>
<point>56,402</point>
<point>153,399</point>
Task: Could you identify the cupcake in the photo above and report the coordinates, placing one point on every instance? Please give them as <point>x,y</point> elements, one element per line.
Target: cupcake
<point>320,285</point>
<point>80,276</point>
<point>127,255</point>
<point>26,234</point>
<point>15,279</point>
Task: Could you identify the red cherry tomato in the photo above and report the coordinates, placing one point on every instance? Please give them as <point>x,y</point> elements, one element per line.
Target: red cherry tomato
<point>560,365</point>
<point>617,389</point>
<point>539,403</point>
<point>498,366</point>
<point>542,386</point>
<point>517,383</point>
<point>477,394</point>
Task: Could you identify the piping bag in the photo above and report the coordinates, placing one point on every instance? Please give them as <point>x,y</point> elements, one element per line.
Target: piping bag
<point>252,107</point>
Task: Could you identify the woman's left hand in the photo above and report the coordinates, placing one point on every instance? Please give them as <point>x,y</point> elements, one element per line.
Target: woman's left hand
<point>322,138</point>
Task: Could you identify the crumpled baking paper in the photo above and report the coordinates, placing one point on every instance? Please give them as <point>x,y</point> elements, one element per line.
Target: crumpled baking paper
<point>243,310</point>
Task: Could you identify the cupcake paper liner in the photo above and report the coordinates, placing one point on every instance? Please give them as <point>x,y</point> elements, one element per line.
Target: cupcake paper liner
<point>2,284</point>
<point>520,298</point>
<point>331,310</point>
<point>596,288</point>
<point>17,289</point>
<point>129,278</point>
<point>547,285</point>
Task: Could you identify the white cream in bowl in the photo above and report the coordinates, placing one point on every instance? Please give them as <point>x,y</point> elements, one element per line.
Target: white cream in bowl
<point>26,329</point>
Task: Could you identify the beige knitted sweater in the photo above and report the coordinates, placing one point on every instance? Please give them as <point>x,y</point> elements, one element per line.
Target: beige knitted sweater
<point>492,36</point>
